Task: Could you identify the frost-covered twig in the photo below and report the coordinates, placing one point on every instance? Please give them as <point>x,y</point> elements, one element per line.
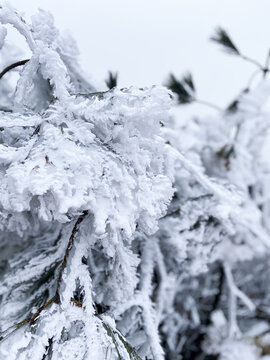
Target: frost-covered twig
<point>147,267</point>
<point>56,298</point>
<point>232,286</point>
<point>235,293</point>
<point>142,299</point>
<point>69,247</point>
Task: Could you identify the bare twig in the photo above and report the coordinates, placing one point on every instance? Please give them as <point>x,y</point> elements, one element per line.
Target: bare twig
<point>13,66</point>
<point>44,306</point>
<point>31,321</point>
<point>252,61</point>
<point>267,63</point>
<point>203,102</point>
<point>76,302</point>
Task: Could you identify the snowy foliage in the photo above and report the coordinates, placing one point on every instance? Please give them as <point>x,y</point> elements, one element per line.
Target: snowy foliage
<point>118,220</point>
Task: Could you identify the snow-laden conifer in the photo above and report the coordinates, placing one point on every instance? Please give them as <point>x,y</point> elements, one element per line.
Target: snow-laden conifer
<point>81,170</point>
<point>121,224</point>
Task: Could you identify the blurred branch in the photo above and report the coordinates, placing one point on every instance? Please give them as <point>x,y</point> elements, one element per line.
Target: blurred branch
<point>236,291</point>
<point>185,90</point>
<point>222,38</point>
<point>111,81</point>
<point>213,106</point>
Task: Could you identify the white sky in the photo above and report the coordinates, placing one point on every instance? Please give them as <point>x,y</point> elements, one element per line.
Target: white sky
<point>145,40</point>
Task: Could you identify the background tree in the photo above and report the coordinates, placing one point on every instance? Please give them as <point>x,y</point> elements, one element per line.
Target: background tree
<point>226,315</point>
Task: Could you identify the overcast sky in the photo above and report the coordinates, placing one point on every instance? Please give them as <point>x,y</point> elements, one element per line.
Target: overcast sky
<point>145,40</point>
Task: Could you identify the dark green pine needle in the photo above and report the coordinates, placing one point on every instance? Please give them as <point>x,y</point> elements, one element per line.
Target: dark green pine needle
<point>184,88</point>
<point>111,81</point>
<point>221,37</point>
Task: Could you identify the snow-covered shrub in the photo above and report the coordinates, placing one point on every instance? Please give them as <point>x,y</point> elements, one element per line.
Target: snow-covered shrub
<point>80,171</point>
<point>118,221</point>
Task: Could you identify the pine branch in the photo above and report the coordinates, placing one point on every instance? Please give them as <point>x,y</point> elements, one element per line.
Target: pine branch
<point>186,91</point>
<point>111,81</point>
<point>188,80</point>
<point>6,110</point>
<point>76,302</point>
<point>32,319</point>
<point>235,290</point>
<point>99,94</point>
<point>267,63</point>
<point>10,330</point>
<point>184,88</point>
<point>69,247</point>
<point>48,348</point>
<point>222,38</point>
<point>56,297</point>
<point>232,107</point>
<point>43,307</point>
<point>13,66</point>
<point>254,62</point>
<point>207,103</point>
<point>113,333</point>
<point>218,295</point>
